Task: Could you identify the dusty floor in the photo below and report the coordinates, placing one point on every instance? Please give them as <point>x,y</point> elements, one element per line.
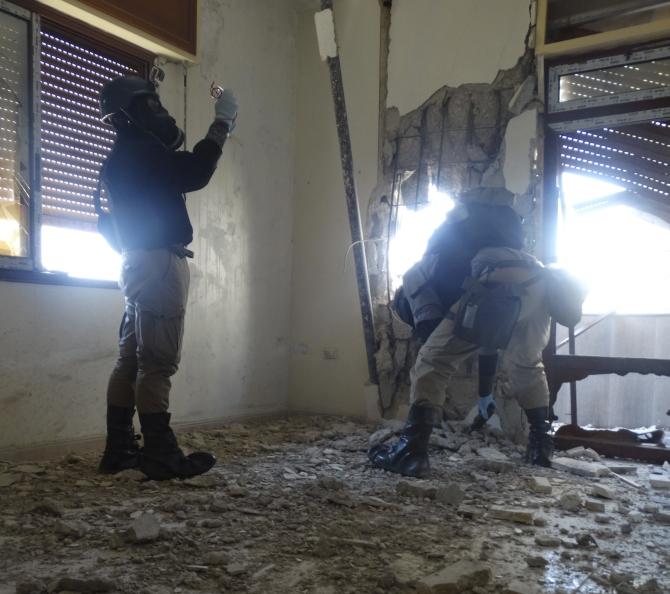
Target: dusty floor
<point>292,507</point>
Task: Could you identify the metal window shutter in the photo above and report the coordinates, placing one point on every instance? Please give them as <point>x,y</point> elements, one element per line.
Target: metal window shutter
<point>74,142</point>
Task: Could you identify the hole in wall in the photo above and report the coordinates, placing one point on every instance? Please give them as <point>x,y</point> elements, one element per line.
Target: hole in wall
<point>413,226</point>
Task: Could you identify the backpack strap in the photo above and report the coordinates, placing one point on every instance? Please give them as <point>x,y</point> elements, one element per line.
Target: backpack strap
<point>512,264</point>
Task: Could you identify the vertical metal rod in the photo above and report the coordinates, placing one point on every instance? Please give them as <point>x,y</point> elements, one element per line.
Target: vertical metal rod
<point>384,43</point>
<point>573,384</point>
<point>346,157</point>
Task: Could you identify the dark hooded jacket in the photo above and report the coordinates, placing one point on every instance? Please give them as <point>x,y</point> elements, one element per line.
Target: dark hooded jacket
<point>146,183</point>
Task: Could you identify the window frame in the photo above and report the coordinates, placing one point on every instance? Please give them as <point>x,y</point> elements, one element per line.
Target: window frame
<point>28,263</point>
<point>28,269</point>
<point>630,35</point>
<point>606,112</point>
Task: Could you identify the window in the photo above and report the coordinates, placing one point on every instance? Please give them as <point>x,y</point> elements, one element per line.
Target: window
<point>608,206</point>
<point>52,145</point>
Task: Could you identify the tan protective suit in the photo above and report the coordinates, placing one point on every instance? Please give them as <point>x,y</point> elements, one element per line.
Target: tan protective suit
<point>443,352</point>
<point>155,285</point>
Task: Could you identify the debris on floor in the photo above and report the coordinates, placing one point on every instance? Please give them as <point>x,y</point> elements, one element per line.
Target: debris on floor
<point>293,506</point>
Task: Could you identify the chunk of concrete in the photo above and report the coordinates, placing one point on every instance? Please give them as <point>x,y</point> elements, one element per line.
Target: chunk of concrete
<point>536,561</point>
<point>405,489</point>
<point>406,568</point>
<point>145,528</point>
<point>237,568</point>
<point>550,542</point>
<point>571,501</point>
<point>450,494</point>
<point>217,558</point>
<point>520,516</point>
<point>594,506</point>
<point>603,519</point>
<point>469,511</point>
<point>461,576</point>
<point>580,467</point>
<point>601,491</point>
<point>659,482</point>
<point>540,484</point>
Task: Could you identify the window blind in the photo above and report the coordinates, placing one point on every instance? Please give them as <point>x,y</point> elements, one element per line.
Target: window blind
<point>74,142</point>
<point>14,136</point>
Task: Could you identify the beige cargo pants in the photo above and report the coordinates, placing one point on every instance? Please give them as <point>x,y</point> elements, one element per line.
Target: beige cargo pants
<point>155,286</point>
<point>443,352</point>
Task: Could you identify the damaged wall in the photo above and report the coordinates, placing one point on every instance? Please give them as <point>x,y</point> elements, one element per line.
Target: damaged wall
<point>453,95</point>
<point>59,342</point>
<point>469,132</point>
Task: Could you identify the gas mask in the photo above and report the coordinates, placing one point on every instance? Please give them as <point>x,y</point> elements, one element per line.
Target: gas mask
<point>148,113</point>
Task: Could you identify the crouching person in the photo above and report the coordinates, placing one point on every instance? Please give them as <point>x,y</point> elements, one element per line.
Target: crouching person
<point>504,307</point>
<point>146,178</point>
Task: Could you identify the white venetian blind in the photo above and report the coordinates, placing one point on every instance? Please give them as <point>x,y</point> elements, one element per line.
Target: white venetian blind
<point>14,137</point>
<point>74,142</point>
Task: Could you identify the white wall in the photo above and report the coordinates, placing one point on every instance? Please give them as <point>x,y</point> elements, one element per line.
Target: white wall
<point>326,314</point>
<point>57,350</point>
<point>59,343</point>
<point>451,42</point>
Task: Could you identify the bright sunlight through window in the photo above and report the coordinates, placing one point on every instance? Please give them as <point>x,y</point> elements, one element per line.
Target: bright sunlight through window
<point>413,230</point>
<point>81,254</point>
<point>621,253</point>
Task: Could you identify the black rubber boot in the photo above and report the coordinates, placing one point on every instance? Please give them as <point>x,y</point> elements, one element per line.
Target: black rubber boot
<point>161,459</point>
<point>409,455</point>
<point>540,443</point>
<point>121,449</point>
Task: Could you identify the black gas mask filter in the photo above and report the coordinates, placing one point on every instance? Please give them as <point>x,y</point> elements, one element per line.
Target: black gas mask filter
<point>148,113</point>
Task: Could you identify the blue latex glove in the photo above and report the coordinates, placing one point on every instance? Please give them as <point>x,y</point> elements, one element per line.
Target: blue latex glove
<point>225,109</point>
<point>487,406</point>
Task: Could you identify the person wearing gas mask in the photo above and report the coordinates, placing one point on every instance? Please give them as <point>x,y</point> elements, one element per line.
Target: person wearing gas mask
<point>476,251</point>
<point>146,177</point>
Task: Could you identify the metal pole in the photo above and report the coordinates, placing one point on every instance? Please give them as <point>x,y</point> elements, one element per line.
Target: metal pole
<point>573,384</point>
<point>346,157</point>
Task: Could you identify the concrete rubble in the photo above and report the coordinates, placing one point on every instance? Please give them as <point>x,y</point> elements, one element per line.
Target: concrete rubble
<point>293,507</point>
